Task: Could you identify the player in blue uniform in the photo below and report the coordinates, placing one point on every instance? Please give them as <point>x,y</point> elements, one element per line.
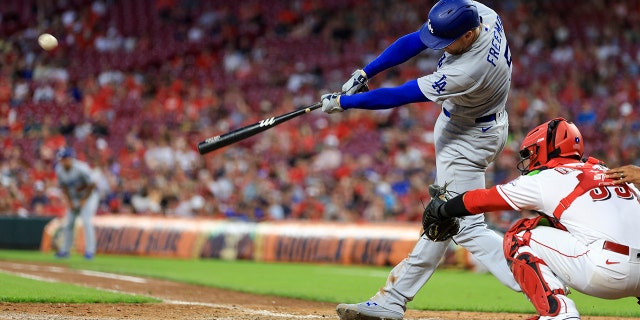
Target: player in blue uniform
<point>471,83</point>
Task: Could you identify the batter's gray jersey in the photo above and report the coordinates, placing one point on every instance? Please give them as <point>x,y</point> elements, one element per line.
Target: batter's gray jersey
<point>76,181</point>
<point>475,83</point>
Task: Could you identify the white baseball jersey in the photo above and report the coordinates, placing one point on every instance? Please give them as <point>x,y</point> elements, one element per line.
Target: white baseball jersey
<point>476,83</point>
<point>611,212</point>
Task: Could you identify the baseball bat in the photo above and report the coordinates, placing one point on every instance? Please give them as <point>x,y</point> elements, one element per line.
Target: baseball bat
<point>217,142</point>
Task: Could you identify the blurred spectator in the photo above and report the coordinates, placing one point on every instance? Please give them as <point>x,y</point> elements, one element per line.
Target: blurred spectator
<point>185,156</point>
<point>147,201</point>
<point>159,155</point>
<point>39,199</point>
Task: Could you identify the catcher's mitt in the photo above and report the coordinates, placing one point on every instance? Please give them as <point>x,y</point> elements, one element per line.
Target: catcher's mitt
<point>433,226</point>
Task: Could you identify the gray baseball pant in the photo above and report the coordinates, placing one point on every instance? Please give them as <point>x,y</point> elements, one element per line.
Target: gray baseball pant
<point>464,151</point>
<point>87,212</point>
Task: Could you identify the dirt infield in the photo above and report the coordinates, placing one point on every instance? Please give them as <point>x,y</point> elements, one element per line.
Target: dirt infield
<point>184,301</point>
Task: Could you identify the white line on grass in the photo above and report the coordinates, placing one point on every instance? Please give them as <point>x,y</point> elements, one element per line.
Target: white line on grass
<point>83,272</point>
<point>33,267</point>
<point>28,276</point>
<point>112,276</point>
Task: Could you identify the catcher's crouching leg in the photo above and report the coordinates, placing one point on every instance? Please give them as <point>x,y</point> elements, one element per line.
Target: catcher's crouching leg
<point>529,271</point>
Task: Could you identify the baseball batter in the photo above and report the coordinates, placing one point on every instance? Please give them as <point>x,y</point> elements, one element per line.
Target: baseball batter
<point>591,245</point>
<point>76,181</point>
<point>471,83</point>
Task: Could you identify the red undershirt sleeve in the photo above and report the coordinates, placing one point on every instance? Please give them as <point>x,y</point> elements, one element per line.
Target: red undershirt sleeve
<point>484,200</point>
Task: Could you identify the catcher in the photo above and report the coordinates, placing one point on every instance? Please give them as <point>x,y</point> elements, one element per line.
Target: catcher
<point>585,236</point>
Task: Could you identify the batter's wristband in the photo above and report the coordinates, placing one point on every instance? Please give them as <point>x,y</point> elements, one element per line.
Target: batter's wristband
<point>455,207</point>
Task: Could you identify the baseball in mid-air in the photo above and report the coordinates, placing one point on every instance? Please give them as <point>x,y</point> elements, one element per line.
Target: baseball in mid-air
<point>47,41</point>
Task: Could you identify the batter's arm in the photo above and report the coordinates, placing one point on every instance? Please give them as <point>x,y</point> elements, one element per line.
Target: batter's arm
<point>398,52</point>
<point>384,98</point>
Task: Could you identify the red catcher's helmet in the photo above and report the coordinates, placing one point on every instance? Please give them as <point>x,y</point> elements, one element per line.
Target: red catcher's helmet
<point>447,21</point>
<point>557,138</point>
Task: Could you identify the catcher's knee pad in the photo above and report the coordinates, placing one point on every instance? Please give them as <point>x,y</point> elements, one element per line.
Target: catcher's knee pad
<point>526,271</point>
<point>511,242</point>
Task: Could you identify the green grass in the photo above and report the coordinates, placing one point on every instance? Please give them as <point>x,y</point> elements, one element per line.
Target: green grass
<point>19,289</point>
<point>447,289</point>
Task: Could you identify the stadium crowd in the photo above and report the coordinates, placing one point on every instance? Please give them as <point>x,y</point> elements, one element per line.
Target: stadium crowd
<point>135,85</point>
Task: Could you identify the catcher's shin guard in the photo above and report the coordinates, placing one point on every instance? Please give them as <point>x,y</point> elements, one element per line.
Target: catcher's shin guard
<point>526,270</point>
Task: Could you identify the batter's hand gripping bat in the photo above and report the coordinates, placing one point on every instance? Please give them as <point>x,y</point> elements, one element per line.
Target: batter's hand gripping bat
<point>217,142</point>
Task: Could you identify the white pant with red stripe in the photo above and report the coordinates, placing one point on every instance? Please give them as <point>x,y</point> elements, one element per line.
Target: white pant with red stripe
<point>589,269</point>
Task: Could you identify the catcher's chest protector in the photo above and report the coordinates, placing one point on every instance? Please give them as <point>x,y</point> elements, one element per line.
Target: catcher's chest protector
<point>588,179</point>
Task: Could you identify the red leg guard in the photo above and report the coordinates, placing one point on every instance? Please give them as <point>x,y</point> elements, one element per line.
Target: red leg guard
<point>526,271</point>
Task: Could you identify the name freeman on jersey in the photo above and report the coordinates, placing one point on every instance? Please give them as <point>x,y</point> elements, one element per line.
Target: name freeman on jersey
<point>494,51</point>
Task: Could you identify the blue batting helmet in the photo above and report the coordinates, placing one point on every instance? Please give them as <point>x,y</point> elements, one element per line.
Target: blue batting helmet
<point>65,152</point>
<point>447,21</point>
